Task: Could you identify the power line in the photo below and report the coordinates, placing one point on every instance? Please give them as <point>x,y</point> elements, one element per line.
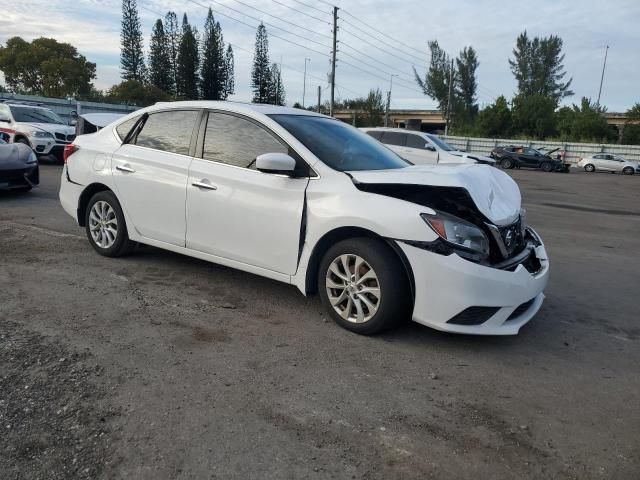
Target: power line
<point>254,27</point>
<point>314,8</point>
<point>297,25</point>
<point>381,32</point>
<point>369,65</point>
<point>359,52</point>
<point>269,24</point>
<point>302,12</point>
<point>378,76</point>
<point>397,54</point>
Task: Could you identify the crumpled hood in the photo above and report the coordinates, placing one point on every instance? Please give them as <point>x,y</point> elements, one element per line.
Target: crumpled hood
<point>494,192</point>
<point>14,155</point>
<point>484,158</point>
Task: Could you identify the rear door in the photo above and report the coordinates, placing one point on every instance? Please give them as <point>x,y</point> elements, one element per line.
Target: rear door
<point>150,174</point>
<point>395,141</point>
<point>237,212</point>
<point>418,152</point>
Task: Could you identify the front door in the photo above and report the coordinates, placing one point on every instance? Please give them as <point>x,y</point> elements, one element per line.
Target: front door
<point>237,212</point>
<point>150,174</point>
<point>419,151</point>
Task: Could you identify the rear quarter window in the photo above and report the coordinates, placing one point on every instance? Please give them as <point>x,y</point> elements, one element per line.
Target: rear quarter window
<point>123,129</point>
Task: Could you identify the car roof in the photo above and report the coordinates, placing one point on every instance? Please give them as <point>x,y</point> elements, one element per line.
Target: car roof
<point>239,107</point>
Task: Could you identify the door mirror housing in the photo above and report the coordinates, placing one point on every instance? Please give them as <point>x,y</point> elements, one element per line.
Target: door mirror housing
<point>430,147</point>
<point>279,163</point>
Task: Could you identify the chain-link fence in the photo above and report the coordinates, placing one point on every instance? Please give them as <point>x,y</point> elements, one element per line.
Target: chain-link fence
<point>574,151</point>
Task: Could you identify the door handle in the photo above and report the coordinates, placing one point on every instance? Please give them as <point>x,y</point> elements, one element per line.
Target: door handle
<point>125,168</point>
<point>204,184</point>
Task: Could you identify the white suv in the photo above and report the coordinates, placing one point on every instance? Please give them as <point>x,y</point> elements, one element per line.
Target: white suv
<point>308,200</point>
<point>423,148</point>
<point>38,127</point>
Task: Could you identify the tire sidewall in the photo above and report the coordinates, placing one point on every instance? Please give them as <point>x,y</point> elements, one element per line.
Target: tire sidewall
<point>627,171</point>
<point>546,167</point>
<point>122,237</point>
<point>589,168</point>
<point>507,163</point>
<point>395,294</point>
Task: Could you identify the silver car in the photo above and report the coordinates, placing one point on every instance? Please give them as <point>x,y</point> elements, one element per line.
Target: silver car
<point>608,162</point>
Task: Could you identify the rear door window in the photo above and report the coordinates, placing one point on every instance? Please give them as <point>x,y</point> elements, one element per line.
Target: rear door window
<point>416,141</point>
<point>394,138</point>
<point>169,131</point>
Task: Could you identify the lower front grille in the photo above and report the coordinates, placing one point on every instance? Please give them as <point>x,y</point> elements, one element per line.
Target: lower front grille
<point>521,309</point>
<point>474,316</point>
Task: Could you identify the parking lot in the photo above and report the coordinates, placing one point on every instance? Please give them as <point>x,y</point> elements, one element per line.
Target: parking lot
<point>162,366</point>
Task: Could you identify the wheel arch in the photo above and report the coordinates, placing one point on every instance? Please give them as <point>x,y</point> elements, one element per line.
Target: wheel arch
<point>85,196</point>
<point>342,233</point>
<point>19,136</point>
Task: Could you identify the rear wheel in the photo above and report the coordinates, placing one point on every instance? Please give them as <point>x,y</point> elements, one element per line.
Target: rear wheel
<point>589,168</point>
<point>105,226</point>
<point>363,286</point>
<point>627,171</point>
<point>507,163</point>
<point>546,166</point>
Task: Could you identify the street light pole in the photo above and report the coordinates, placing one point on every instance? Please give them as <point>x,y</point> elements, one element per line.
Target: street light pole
<point>602,77</point>
<point>304,84</point>
<point>386,113</point>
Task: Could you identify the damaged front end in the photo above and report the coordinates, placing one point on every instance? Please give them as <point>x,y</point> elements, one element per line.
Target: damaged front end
<point>465,230</point>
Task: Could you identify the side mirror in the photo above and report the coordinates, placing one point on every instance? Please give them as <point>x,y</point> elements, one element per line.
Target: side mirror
<point>280,163</point>
<point>430,147</point>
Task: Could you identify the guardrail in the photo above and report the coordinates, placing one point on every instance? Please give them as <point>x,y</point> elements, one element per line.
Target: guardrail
<point>482,146</point>
<point>64,107</point>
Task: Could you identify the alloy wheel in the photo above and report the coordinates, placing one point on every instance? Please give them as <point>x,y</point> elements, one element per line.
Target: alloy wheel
<point>353,288</point>
<point>103,224</point>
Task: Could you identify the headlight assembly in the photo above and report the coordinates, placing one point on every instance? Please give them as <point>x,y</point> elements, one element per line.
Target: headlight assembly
<point>458,232</point>
<point>40,134</point>
<point>32,158</point>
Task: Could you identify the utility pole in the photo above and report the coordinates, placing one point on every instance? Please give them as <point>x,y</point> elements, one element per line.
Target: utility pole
<point>319,95</point>
<point>386,113</point>
<point>304,83</point>
<point>446,128</point>
<point>333,59</point>
<point>602,77</point>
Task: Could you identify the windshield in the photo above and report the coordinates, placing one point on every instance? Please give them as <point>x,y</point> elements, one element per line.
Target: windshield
<point>34,115</point>
<point>441,144</point>
<point>338,145</point>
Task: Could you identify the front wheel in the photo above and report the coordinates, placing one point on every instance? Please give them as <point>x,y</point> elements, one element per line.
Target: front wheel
<point>589,168</point>
<point>363,286</point>
<point>507,163</point>
<point>627,171</point>
<point>546,167</point>
<point>105,225</point>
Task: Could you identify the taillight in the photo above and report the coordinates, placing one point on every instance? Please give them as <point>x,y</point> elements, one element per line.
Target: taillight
<point>68,151</point>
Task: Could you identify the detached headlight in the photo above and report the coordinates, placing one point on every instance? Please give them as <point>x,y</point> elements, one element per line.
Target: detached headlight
<point>458,232</point>
<point>40,134</point>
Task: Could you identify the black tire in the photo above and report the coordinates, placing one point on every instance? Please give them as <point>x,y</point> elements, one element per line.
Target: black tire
<point>627,171</point>
<point>395,301</point>
<point>121,245</point>
<point>507,163</point>
<point>546,166</point>
<point>589,168</point>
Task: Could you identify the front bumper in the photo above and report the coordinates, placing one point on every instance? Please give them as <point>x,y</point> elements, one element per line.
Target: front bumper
<point>448,288</point>
<point>20,177</point>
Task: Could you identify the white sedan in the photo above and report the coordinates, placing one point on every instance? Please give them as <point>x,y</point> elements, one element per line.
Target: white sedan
<point>608,162</point>
<point>308,200</point>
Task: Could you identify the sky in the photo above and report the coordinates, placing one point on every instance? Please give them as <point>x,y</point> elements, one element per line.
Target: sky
<point>366,57</point>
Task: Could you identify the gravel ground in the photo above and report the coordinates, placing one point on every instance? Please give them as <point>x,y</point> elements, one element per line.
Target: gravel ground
<point>160,366</point>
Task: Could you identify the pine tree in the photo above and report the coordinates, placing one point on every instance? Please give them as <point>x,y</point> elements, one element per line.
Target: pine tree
<point>538,68</point>
<point>172,35</point>
<point>261,73</point>
<point>213,71</point>
<point>229,84</point>
<point>131,54</point>
<point>276,88</point>
<point>159,59</point>
<point>466,85</point>
<point>188,62</point>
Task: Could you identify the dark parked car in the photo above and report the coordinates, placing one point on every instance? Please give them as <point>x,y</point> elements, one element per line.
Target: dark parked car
<point>527,157</point>
<point>18,166</point>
